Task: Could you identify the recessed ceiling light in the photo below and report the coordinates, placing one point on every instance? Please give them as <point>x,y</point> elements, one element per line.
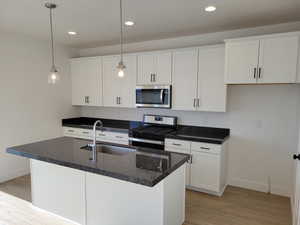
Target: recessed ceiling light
<point>210,8</point>
<point>72,33</point>
<point>129,23</point>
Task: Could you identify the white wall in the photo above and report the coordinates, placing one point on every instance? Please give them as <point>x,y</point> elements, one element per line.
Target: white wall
<point>262,119</point>
<point>263,123</point>
<point>31,110</point>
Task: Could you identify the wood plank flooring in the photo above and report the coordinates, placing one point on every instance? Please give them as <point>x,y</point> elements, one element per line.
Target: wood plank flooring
<point>236,207</point>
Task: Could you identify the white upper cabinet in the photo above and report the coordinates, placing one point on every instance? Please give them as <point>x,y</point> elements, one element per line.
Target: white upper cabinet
<point>119,92</point>
<point>198,79</point>
<point>212,91</point>
<point>278,60</point>
<point>184,79</point>
<point>265,59</point>
<point>86,81</point>
<point>154,68</point>
<point>241,62</point>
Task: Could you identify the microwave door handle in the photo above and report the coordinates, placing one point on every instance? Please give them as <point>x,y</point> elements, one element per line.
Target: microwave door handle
<point>161,95</point>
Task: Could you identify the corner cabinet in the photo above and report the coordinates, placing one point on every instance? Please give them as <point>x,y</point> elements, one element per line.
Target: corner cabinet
<point>154,68</point>
<point>119,91</point>
<point>263,60</point>
<point>198,79</point>
<point>86,81</point>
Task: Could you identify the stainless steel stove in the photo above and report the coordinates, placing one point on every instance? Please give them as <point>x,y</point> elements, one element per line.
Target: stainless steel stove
<point>152,131</point>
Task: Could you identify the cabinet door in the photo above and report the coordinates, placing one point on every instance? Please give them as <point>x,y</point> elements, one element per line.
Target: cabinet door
<point>205,171</point>
<point>119,92</point>
<point>184,147</point>
<point>278,60</point>
<point>184,80</point>
<point>127,84</point>
<point>111,81</point>
<point>146,69</point>
<point>212,91</point>
<point>241,62</point>
<point>86,81</point>
<point>154,68</point>
<point>163,73</point>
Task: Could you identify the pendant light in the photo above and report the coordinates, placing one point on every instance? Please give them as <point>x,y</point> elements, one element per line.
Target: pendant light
<point>121,67</point>
<point>53,76</point>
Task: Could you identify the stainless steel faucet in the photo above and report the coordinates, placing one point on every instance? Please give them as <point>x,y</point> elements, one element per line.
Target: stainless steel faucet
<point>94,145</point>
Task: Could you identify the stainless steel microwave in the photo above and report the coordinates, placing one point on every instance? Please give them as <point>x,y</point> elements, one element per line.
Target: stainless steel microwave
<point>153,96</point>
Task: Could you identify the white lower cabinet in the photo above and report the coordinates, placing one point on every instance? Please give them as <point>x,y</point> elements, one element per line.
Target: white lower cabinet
<point>207,170</point>
<point>105,136</point>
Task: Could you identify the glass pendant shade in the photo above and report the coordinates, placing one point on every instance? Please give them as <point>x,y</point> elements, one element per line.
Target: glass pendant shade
<point>53,76</point>
<point>121,67</point>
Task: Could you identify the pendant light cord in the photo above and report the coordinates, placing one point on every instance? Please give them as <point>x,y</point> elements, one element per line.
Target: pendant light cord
<point>52,41</point>
<point>121,30</point>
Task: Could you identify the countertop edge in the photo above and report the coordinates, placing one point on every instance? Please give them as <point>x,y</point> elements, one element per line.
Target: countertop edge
<point>97,171</point>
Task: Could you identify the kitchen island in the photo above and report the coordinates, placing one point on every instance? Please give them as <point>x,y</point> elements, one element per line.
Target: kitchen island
<point>125,185</point>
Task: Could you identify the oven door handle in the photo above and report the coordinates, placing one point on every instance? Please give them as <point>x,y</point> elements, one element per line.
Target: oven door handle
<point>146,141</point>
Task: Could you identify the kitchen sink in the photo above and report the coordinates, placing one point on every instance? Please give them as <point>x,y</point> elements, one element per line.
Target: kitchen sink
<point>109,149</point>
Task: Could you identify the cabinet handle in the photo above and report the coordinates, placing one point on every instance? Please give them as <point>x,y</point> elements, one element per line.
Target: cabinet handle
<point>176,144</point>
<point>191,159</point>
<point>154,77</point>
<point>259,72</point>
<point>194,103</point>
<point>101,135</point>
<point>119,100</point>
<point>151,77</point>
<point>255,70</point>
<point>198,102</point>
<point>118,136</point>
<point>72,131</point>
<point>85,132</point>
<point>85,99</point>
<point>204,148</point>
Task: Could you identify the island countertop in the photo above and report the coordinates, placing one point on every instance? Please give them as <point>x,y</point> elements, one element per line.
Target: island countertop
<point>133,164</point>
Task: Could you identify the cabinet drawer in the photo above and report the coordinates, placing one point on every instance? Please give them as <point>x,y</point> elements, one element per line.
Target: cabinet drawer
<point>206,147</point>
<point>85,133</point>
<point>177,144</point>
<point>70,132</point>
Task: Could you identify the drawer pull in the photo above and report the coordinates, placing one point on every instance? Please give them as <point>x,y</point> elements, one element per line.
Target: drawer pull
<point>71,131</point>
<point>118,137</point>
<point>176,144</point>
<point>85,132</point>
<point>204,148</point>
<point>101,135</point>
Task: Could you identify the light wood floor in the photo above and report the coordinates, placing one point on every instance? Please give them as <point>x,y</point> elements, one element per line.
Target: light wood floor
<point>236,207</point>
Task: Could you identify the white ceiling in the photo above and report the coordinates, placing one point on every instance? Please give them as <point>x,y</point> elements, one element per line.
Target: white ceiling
<point>97,21</point>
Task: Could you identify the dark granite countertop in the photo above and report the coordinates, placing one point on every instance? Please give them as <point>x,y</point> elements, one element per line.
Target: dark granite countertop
<point>138,165</point>
<point>87,123</point>
<point>200,134</point>
<point>183,132</point>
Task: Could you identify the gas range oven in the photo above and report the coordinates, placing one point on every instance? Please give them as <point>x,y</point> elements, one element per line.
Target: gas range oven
<point>152,131</point>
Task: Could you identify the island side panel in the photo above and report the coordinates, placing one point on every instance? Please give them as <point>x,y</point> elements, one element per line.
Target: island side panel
<point>115,202</point>
<point>58,189</point>
<point>174,197</point>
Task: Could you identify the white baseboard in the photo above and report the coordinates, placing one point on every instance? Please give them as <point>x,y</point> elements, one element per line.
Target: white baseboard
<point>256,186</point>
<point>281,191</point>
<point>219,194</point>
<point>13,175</point>
<point>252,185</point>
